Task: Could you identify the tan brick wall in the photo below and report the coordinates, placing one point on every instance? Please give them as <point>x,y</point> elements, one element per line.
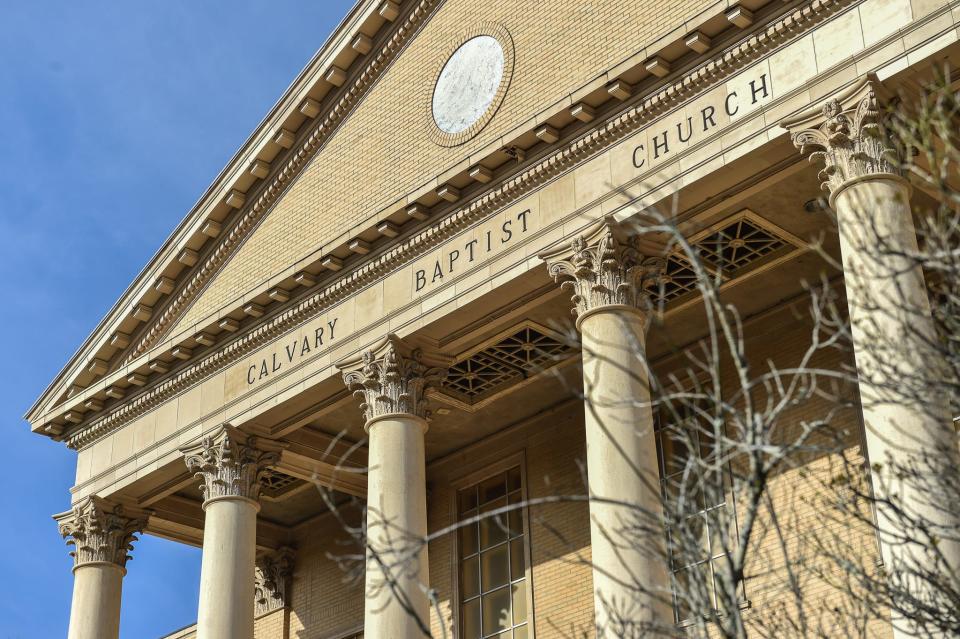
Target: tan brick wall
<point>383,151</point>
<point>560,553</point>
<point>799,494</point>
<point>440,513</point>
<point>324,602</point>
<point>272,625</point>
<point>562,578</point>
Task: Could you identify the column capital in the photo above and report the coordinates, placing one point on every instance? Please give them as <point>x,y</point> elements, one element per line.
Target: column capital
<point>605,268</point>
<point>849,135</point>
<point>392,377</point>
<point>272,578</point>
<point>100,531</point>
<point>231,463</point>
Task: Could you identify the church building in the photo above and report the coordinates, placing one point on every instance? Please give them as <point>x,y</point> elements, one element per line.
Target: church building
<point>408,299</point>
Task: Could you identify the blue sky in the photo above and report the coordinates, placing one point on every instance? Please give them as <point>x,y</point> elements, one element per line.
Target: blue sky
<point>114,117</point>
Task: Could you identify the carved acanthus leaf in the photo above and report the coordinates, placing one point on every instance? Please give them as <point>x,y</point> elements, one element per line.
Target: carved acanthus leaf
<point>272,581</point>
<point>392,378</point>
<point>849,135</point>
<point>601,269</point>
<point>99,531</point>
<point>231,463</point>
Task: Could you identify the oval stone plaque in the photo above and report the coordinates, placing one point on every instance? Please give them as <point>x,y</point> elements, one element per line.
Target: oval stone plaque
<point>468,84</point>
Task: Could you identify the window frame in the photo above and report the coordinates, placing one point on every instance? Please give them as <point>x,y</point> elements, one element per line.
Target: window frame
<point>474,478</point>
<point>729,502</point>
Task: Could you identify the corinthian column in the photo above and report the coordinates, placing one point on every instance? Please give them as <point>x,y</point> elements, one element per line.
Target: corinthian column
<point>390,380</point>
<point>272,584</point>
<point>911,442</point>
<point>608,278</point>
<point>101,534</point>
<point>230,465</point>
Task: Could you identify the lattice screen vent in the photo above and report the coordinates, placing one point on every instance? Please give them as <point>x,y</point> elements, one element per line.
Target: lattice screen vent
<point>679,279</point>
<point>276,483</point>
<point>522,354</point>
<point>736,246</point>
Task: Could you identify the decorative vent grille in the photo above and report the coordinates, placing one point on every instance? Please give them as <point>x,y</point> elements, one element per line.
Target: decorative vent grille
<point>276,484</point>
<point>731,249</point>
<point>520,355</point>
<point>679,279</point>
<point>737,245</point>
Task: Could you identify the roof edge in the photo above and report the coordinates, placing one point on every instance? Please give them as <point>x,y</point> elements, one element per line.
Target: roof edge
<point>287,101</point>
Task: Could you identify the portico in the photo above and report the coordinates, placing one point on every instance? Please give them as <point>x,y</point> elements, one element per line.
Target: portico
<point>398,426</point>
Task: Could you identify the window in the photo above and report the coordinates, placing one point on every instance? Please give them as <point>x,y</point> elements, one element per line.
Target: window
<point>492,559</point>
<point>698,504</point>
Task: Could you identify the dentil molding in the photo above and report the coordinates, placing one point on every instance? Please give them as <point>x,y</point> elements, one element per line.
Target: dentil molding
<point>298,158</point>
<point>580,150</point>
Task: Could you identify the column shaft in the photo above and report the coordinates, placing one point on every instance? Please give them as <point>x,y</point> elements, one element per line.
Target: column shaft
<point>608,277</point>
<point>230,464</point>
<point>629,576</point>
<point>391,380</point>
<point>907,422</point>
<point>910,440</point>
<point>102,534</point>
<point>95,607</point>
<point>396,528</point>
<point>227,569</point>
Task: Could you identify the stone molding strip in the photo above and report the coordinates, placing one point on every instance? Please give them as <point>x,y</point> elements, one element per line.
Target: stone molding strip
<point>612,131</point>
<point>295,162</point>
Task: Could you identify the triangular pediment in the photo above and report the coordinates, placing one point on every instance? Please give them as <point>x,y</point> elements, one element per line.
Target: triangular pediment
<point>364,148</point>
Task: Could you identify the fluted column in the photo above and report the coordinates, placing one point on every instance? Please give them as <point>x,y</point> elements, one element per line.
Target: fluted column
<point>906,417</point>
<point>608,278</point>
<point>230,465</point>
<point>390,380</point>
<point>101,533</point>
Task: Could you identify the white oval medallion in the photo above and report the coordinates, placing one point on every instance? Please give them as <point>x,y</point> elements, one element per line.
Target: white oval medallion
<point>468,84</point>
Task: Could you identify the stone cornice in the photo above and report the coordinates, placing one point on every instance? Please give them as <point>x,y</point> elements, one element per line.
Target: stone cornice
<point>381,264</point>
<point>230,463</point>
<point>849,135</point>
<point>297,91</point>
<point>392,377</point>
<point>100,531</point>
